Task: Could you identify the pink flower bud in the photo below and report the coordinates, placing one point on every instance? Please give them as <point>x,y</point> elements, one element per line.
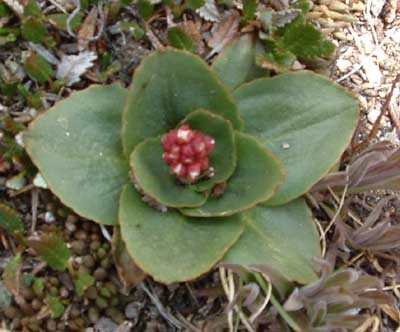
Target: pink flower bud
<point>186,152</point>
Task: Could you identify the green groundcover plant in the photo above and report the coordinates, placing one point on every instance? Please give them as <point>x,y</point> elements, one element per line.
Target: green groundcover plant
<point>199,164</point>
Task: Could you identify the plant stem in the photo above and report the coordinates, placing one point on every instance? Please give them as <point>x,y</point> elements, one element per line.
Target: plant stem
<point>288,319</point>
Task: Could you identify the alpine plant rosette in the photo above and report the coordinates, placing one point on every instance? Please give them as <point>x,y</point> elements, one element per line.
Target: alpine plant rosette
<point>226,151</point>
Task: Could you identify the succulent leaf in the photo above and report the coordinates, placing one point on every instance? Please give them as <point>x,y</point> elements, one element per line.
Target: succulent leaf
<point>223,156</point>
<point>256,178</point>
<point>76,146</point>
<point>236,64</point>
<point>167,87</point>
<point>169,246</point>
<point>283,237</point>
<point>297,116</point>
<point>153,177</point>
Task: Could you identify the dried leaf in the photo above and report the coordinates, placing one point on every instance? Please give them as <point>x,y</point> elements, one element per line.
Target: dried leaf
<point>129,273</point>
<point>378,167</point>
<point>87,30</point>
<point>224,33</point>
<point>72,67</point>
<point>209,11</point>
<point>51,248</point>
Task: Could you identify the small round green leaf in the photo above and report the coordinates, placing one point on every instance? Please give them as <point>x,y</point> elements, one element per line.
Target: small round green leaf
<point>169,246</point>
<point>223,156</point>
<point>283,237</point>
<point>152,175</point>
<point>76,146</point>
<point>305,119</point>
<point>167,87</point>
<point>256,178</point>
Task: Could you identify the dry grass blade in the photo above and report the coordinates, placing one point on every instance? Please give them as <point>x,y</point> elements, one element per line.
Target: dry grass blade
<point>376,234</point>
<point>378,167</point>
<point>87,29</point>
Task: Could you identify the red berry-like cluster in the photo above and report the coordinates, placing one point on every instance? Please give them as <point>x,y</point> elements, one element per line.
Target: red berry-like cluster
<point>186,152</point>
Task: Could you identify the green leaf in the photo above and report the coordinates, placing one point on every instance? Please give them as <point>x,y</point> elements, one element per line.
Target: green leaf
<point>152,175</point>
<point>38,286</point>
<point>60,21</point>
<point>145,8</point>
<point>55,305</point>
<point>304,40</point>
<point>167,87</point>
<point>169,246</point>
<point>178,38</point>
<point>82,282</point>
<point>52,249</point>
<point>236,64</point>
<point>38,68</point>
<point>195,4</point>
<point>4,10</point>
<point>276,58</point>
<point>304,5</point>
<point>223,156</point>
<point>33,30</point>
<point>249,9</point>
<point>5,297</point>
<point>284,238</point>
<point>10,221</point>
<point>256,178</point>
<point>32,9</point>
<point>298,116</point>
<point>76,146</point>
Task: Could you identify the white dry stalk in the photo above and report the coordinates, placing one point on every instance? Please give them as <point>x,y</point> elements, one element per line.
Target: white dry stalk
<point>258,312</point>
<point>71,67</point>
<point>209,11</point>
<point>228,285</point>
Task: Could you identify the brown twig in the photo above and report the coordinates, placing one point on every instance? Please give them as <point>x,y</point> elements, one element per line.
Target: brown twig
<point>384,109</point>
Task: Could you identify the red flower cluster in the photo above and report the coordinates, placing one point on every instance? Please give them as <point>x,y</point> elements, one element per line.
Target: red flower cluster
<point>186,152</point>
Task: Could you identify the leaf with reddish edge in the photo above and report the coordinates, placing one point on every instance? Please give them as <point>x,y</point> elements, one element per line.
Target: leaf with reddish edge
<point>172,247</point>
<point>236,64</point>
<point>298,116</point>
<point>77,147</point>
<point>153,177</point>
<point>256,178</point>
<point>283,237</point>
<point>168,86</point>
